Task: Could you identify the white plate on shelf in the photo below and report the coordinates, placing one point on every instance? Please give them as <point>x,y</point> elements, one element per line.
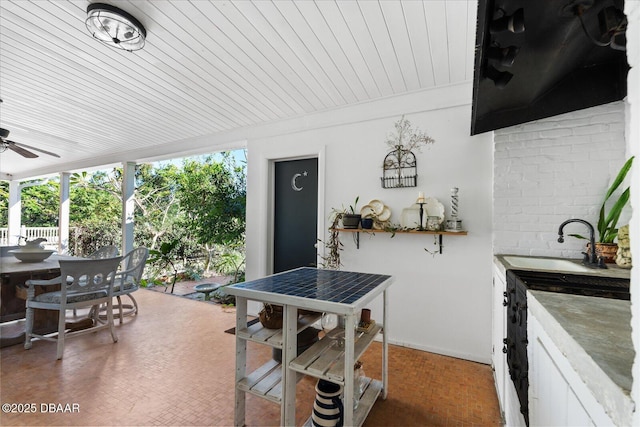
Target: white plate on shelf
<point>410,217</point>
<point>385,214</point>
<point>377,206</point>
<point>367,212</point>
<point>433,207</point>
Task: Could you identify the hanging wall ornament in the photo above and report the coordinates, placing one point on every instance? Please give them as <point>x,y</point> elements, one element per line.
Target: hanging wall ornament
<point>400,168</point>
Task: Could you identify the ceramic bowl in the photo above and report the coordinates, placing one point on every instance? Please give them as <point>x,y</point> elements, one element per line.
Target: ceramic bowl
<point>31,255</point>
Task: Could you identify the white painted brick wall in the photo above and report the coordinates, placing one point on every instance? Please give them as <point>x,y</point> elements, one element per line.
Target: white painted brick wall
<point>553,169</point>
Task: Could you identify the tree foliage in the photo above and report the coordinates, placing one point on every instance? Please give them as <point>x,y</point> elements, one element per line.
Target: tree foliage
<point>192,208</point>
<point>4,203</point>
<point>40,204</point>
<point>213,197</point>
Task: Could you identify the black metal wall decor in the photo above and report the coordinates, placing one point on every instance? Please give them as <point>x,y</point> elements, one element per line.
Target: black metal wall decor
<point>399,169</point>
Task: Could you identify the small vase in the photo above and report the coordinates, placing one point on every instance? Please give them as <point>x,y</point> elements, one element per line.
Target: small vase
<point>327,408</point>
<point>367,223</point>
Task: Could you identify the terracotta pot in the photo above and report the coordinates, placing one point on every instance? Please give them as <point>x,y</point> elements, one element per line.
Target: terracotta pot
<point>607,251</point>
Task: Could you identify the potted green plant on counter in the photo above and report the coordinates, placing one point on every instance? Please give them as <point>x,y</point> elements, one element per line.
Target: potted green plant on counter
<point>608,220</point>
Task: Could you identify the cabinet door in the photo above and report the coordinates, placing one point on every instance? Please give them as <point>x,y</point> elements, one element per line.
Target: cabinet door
<point>549,390</point>
<point>499,334</point>
<point>576,414</point>
<point>553,401</point>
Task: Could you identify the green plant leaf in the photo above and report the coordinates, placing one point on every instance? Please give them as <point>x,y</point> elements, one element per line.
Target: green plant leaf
<point>621,176</point>
<point>609,232</point>
<point>578,236</point>
<point>355,205</point>
<point>607,222</point>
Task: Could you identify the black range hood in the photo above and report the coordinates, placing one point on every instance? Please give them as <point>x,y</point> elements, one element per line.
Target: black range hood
<point>559,65</point>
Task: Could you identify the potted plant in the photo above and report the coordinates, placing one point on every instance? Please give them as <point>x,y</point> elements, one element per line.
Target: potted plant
<point>333,246</point>
<point>608,221</point>
<point>351,219</point>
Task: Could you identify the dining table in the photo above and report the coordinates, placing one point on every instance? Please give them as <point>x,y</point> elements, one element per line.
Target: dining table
<point>13,294</point>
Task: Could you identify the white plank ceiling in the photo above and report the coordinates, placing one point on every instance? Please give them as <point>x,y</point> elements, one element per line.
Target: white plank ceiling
<point>210,67</point>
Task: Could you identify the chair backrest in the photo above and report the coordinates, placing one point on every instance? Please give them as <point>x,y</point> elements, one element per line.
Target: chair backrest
<point>108,251</point>
<point>133,263</point>
<point>88,275</point>
<point>4,250</point>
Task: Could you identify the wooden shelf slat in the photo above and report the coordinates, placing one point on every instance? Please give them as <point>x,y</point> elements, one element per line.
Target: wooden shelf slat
<point>373,231</point>
<point>273,337</point>
<point>325,360</point>
<point>263,380</point>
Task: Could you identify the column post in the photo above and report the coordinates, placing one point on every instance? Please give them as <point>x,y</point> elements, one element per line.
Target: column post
<point>128,205</point>
<point>14,214</point>
<point>63,214</point>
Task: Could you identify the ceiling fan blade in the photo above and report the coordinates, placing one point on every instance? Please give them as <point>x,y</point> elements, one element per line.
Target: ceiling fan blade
<point>34,148</point>
<point>24,153</point>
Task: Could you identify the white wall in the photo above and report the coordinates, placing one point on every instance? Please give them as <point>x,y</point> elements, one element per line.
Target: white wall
<point>438,303</point>
<point>553,169</point>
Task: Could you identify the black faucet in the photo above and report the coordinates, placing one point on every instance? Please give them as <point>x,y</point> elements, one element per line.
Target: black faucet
<point>590,259</point>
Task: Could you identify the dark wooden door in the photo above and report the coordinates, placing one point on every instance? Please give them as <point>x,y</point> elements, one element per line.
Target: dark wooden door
<point>295,214</point>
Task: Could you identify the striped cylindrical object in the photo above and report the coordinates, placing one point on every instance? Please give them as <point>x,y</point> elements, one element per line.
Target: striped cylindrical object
<point>327,408</point>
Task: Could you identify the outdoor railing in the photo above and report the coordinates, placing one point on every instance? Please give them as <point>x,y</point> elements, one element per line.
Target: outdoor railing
<point>31,233</point>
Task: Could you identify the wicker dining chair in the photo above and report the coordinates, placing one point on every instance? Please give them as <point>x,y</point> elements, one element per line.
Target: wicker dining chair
<point>83,283</point>
<point>128,279</point>
<point>108,251</point>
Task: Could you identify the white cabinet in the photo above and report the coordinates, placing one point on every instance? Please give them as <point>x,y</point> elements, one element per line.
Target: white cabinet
<point>557,396</point>
<point>507,395</point>
<point>499,358</point>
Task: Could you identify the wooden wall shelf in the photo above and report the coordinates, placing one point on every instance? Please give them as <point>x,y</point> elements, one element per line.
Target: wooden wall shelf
<point>374,231</point>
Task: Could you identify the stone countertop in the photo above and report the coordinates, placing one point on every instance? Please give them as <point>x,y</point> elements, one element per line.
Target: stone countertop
<point>595,336</point>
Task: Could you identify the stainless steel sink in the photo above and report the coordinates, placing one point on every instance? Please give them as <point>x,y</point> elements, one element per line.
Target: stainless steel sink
<point>544,263</point>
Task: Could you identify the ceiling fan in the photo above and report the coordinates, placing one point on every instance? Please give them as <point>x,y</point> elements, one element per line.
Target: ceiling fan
<point>18,147</point>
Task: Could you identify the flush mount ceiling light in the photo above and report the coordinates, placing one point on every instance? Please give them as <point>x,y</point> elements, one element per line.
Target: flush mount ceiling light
<point>115,27</point>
